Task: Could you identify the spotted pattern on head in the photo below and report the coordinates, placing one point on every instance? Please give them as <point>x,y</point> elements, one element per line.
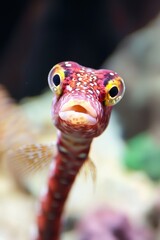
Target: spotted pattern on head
<point>96,84</point>
<point>90,89</point>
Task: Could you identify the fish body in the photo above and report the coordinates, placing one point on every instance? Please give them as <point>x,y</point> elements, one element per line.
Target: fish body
<point>82,103</point>
<point>81,108</point>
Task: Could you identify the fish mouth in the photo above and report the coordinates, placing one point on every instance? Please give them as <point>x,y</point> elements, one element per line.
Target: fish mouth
<point>78,112</point>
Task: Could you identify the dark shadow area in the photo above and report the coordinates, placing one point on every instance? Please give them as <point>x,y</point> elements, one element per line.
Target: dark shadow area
<point>37,34</point>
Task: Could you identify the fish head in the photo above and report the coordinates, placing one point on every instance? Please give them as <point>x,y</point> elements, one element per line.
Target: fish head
<point>83,98</point>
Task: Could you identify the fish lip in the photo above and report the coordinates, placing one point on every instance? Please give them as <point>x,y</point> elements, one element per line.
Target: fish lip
<point>78,108</point>
<point>83,103</point>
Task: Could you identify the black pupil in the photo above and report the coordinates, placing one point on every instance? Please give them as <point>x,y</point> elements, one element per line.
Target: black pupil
<point>113,92</point>
<point>56,79</point>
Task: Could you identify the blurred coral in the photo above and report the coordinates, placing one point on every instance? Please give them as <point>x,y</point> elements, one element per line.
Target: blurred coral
<point>15,128</point>
<point>137,59</point>
<point>107,224</point>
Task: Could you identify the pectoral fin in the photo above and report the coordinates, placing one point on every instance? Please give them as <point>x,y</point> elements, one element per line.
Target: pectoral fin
<point>89,168</point>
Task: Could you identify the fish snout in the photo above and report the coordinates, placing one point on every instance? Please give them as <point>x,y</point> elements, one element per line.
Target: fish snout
<point>78,112</point>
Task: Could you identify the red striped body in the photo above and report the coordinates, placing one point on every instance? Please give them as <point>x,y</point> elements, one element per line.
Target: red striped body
<point>82,103</point>
<point>62,176</point>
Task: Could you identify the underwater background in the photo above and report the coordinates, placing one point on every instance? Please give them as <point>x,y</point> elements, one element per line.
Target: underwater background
<point>124,201</point>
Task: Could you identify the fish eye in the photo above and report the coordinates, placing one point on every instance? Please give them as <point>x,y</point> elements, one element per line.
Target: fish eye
<point>55,79</point>
<point>114,89</point>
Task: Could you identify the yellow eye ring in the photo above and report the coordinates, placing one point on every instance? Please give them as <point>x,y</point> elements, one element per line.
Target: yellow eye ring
<point>55,79</point>
<point>115,89</point>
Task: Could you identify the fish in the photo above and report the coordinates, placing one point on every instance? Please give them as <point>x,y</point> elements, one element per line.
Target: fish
<point>83,99</point>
